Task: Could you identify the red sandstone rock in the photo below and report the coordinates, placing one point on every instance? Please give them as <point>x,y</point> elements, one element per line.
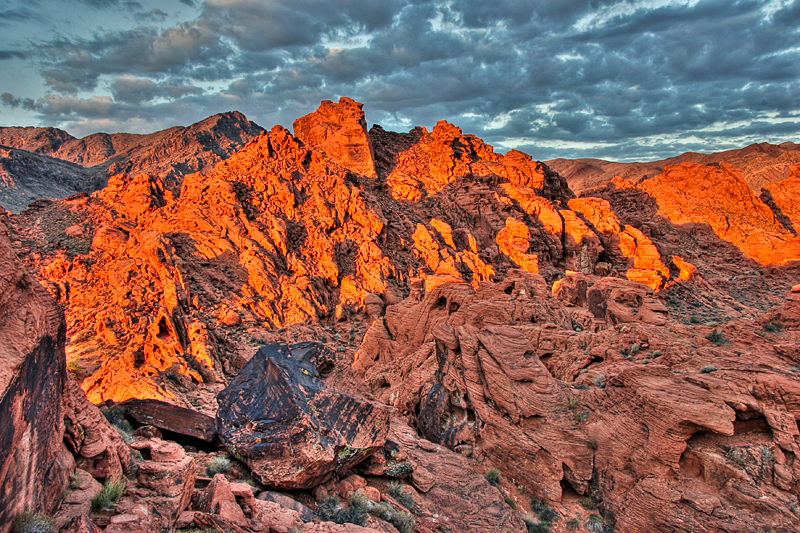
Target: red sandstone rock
<point>340,131</point>
<point>218,499</point>
<point>34,468</point>
<point>722,199</point>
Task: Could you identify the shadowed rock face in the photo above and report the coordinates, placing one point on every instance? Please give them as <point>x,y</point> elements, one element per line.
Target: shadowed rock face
<point>34,468</point>
<point>292,431</point>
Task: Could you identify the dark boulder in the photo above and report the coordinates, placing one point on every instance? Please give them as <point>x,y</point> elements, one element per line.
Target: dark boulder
<point>278,417</point>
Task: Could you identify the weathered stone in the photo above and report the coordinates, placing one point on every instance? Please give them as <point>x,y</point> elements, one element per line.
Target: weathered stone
<point>218,499</point>
<point>34,466</point>
<point>171,417</point>
<point>292,431</point>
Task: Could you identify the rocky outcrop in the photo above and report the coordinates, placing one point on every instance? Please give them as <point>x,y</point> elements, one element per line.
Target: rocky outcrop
<point>169,417</point>
<point>781,198</point>
<point>340,131</point>
<point>293,432</point>
<point>661,423</point>
<point>721,198</point>
<point>34,465</point>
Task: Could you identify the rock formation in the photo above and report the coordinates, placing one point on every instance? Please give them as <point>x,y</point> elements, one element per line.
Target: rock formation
<point>289,428</point>
<point>634,415</point>
<point>34,466</point>
<point>629,355</point>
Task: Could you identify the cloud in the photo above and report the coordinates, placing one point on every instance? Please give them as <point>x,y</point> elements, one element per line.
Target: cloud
<point>132,90</point>
<point>155,15</point>
<point>11,54</point>
<point>10,100</point>
<point>627,78</point>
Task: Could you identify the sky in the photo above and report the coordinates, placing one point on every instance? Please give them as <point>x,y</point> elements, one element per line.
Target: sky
<point>632,80</point>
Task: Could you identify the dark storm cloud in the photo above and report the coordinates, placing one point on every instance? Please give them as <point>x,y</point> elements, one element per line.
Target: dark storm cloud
<point>11,54</point>
<point>628,78</point>
<point>155,15</point>
<point>19,14</point>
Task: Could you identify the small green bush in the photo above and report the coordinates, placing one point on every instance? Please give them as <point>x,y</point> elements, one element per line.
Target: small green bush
<point>32,522</point>
<point>218,465</point>
<point>574,524</point>
<point>694,319</point>
<point>599,381</point>
<point>573,403</point>
<point>589,503</point>
<point>738,456</point>
<point>773,327</point>
<point>595,523</point>
<point>493,476</point>
<point>544,511</point>
<point>403,498</point>
<point>511,503</point>
<point>109,495</point>
<point>402,521</point>
<point>708,369</point>
<point>717,337</point>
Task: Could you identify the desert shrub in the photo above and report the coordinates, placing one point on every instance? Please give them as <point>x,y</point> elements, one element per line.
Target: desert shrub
<point>595,523</point>
<point>402,521</point>
<point>598,524</point>
<point>544,511</point>
<point>493,476</point>
<point>589,503</point>
<point>717,337</point>
<point>635,349</point>
<point>708,369</point>
<point>592,444</point>
<point>599,381</point>
<point>573,403</point>
<point>33,522</point>
<point>218,465</point>
<point>773,327</point>
<point>694,319</point>
<point>540,527</point>
<point>511,503</point>
<point>574,524</point>
<point>403,498</point>
<point>738,456</point>
<point>534,525</point>
<point>657,353</point>
<point>109,495</point>
<point>580,417</point>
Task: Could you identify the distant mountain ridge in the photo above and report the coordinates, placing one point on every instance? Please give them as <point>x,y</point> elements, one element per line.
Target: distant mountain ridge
<point>760,164</point>
<point>168,154</point>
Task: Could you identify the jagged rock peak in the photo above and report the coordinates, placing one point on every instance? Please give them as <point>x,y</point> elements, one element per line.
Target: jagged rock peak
<point>340,131</point>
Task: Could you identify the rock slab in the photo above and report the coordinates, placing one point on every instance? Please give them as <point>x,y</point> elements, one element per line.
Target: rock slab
<point>294,433</point>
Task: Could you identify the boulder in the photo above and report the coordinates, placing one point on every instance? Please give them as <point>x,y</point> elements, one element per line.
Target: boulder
<point>218,499</point>
<point>167,470</point>
<point>170,417</point>
<point>279,418</point>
